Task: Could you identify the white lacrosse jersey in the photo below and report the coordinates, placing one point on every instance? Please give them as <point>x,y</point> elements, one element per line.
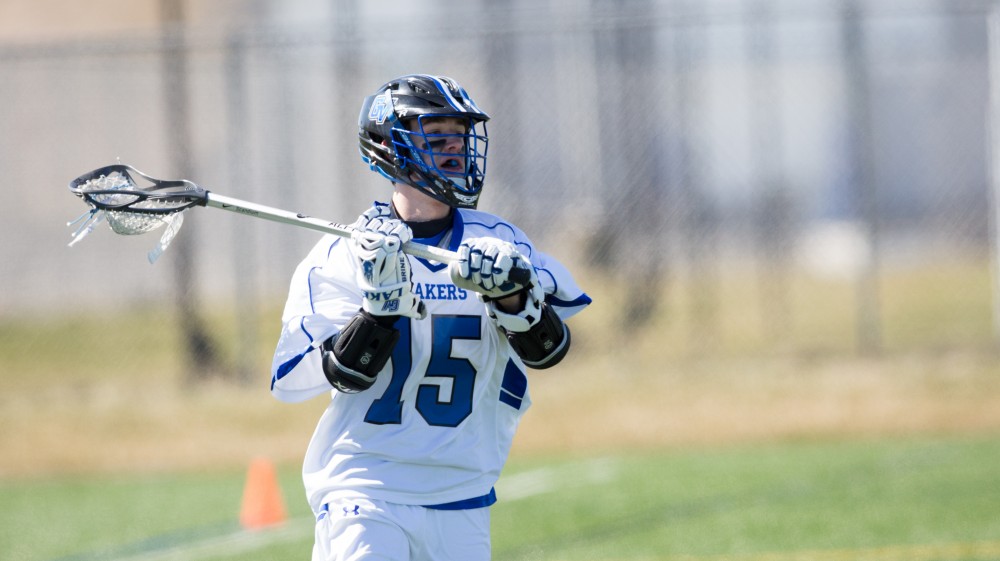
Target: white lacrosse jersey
<point>436,427</point>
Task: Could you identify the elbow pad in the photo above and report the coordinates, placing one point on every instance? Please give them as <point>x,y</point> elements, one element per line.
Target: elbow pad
<point>545,344</point>
<point>353,358</point>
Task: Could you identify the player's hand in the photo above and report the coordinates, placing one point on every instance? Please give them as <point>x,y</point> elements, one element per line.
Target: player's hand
<point>383,269</point>
<point>484,267</point>
<point>372,218</point>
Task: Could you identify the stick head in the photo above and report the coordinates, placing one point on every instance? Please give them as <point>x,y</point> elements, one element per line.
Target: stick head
<point>131,208</point>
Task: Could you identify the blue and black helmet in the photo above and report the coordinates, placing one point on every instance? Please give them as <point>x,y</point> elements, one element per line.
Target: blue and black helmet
<point>393,141</point>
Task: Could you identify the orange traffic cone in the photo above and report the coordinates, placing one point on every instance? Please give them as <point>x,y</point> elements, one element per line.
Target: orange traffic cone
<point>263,504</point>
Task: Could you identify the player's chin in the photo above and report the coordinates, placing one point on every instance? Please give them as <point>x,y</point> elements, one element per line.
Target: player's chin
<point>457,177</point>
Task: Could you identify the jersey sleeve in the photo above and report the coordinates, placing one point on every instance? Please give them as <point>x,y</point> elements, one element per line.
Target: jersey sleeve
<point>561,291</point>
<point>322,297</point>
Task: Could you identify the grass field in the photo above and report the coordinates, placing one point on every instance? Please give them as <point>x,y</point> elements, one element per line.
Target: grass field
<point>640,448</point>
<point>913,499</point>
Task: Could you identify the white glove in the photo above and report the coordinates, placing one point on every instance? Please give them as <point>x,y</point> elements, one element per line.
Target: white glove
<point>484,266</point>
<point>372,218</point>
<point>384,271</point>
<point>525,319</point>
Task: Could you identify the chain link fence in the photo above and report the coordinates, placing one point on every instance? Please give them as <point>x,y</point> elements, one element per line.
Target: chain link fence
<point>766,165</point>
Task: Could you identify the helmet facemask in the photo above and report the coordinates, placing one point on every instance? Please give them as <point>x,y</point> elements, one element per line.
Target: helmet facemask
<point>446,164</point>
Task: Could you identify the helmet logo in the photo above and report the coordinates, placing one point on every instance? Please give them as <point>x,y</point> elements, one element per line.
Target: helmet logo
<point>381,107</point>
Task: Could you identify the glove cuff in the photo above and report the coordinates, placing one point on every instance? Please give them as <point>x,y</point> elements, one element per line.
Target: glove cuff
<point>524,320</point>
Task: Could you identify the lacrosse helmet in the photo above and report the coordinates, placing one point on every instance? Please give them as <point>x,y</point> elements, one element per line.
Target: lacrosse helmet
<point>393,141</point>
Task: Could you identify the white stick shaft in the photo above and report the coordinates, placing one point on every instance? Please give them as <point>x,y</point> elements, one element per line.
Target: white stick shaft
<point>285,217</point>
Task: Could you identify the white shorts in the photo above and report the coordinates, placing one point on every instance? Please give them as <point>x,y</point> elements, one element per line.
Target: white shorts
<point>375,530</point>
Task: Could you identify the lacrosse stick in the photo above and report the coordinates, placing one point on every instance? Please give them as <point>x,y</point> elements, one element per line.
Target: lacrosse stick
<point>131,209</point>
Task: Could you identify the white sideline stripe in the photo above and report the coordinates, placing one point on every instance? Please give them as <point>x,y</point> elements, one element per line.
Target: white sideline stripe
<point>236,542</point>
<point>544,480</point>
<point>925,552</point>
<point>512,488</point>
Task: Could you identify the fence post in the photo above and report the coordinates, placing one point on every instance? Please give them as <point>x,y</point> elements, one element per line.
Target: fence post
<point>993,157</point>
<point>245,245</point>
<point>202,360</point>
<point>865,194</point>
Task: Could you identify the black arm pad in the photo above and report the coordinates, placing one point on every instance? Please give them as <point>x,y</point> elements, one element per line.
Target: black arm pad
<point>545,344</point>
<point>353,358</point>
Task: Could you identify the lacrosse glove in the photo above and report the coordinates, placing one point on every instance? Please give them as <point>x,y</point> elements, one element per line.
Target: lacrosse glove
<point>383,269</point>
<point>484,267</point>
<point>535,332</point>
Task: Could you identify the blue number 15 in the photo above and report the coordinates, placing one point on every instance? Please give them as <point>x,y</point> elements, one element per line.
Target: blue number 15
<point>449,411</point>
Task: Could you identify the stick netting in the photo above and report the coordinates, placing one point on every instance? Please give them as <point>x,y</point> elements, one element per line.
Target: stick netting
<point>126,222</point>
<point>144,214</point>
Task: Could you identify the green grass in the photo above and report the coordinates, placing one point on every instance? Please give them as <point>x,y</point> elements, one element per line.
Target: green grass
<point>778,498</point>
<point>920,498</point>
<point>109,517</point>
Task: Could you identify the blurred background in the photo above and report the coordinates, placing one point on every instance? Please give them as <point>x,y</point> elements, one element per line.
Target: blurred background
<point>664,143</point>
<point>784,210</point>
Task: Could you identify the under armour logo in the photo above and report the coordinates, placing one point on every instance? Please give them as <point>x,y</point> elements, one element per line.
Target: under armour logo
<point>356,511</point>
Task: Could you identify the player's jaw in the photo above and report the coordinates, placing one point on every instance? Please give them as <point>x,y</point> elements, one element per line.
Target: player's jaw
<point>444,145</point>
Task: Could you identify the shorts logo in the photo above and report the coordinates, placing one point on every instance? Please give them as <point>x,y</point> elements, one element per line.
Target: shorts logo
<point>355,511</point>
<point>381,107</point>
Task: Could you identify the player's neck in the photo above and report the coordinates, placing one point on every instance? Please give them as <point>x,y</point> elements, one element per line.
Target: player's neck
<point>413,206</point>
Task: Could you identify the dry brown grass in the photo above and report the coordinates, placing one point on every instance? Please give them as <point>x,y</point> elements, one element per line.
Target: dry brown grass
<point>651,389</point>
<point>111,429</point>
<point>591,404</point>
<point>601,407</point>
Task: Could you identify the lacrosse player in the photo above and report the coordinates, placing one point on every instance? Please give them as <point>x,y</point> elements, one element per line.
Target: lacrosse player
<point>426,361</point>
